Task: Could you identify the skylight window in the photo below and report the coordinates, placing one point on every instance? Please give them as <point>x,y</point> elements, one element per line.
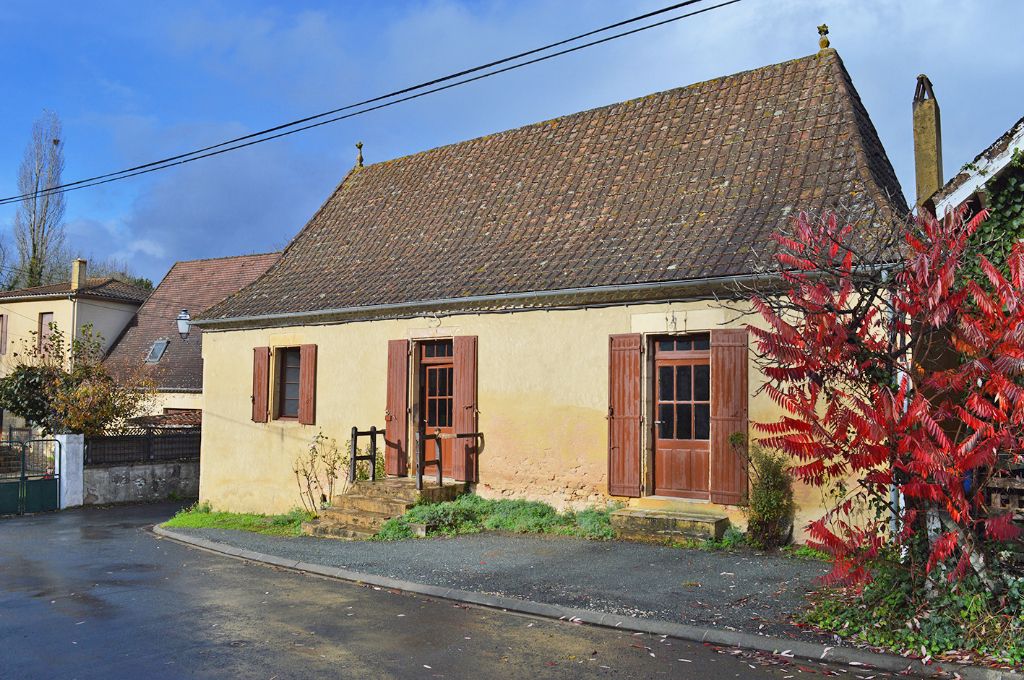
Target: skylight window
<point>157,351</point>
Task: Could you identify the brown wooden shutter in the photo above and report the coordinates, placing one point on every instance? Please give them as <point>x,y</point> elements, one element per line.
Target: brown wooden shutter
<point>396,414</point>
<point>307,384</point>
<point>464,408</point>
<point>728,414</point>
<point>260,383</point>
<point>624,360</point>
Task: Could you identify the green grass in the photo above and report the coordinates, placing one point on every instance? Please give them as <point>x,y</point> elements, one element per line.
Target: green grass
<point>472,514</point>
<point>201,516</point>
<point>732,539</point>
<point>806,552</point>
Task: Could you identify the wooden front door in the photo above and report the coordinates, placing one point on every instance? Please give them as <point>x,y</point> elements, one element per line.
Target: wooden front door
<point>682,423</point>
<point>436,397</point>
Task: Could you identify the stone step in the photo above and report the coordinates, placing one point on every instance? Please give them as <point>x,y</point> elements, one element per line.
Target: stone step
<point>405,489</point>
<point>659,525</point>
<point>327,529</point>
<point>356,519</point>
<point>392,507</point>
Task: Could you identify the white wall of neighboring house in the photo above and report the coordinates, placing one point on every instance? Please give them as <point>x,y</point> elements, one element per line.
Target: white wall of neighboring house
<point>108,318</point>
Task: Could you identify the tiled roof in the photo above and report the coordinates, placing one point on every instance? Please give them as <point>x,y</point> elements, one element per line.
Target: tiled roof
<point>107,288</point>
<point>194,285</point>
<point>681,185</point>
<point>188,418</point>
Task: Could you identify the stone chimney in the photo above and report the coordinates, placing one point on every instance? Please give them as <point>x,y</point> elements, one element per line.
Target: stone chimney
<point>78,274</point>
<point>927,141</point>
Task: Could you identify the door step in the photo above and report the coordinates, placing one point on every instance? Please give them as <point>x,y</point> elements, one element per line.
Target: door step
<point>641,524</point>
<point>359,513</point>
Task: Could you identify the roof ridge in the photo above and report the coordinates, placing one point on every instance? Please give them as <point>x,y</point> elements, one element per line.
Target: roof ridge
<point>859,112</point>
<point>592,110</point>
<point>226,257</point>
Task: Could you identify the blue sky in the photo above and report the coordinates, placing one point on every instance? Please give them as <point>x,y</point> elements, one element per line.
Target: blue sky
<point>136,81</point>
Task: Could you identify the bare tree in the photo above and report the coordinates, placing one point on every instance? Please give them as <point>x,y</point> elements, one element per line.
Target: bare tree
<point>39,222</point>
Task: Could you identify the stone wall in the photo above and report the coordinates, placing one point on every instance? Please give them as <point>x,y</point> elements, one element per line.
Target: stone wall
<point>140,482</point>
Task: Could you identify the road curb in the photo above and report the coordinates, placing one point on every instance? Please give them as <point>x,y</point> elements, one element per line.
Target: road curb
<point>725,638</point>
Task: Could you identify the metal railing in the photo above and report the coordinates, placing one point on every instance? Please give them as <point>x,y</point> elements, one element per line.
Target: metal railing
<point>144,446</point>
<point>421,452</point>
<point>371,457</point>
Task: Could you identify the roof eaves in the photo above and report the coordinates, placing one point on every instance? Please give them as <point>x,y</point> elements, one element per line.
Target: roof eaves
<point>985,167</point>
<point>544,299</point>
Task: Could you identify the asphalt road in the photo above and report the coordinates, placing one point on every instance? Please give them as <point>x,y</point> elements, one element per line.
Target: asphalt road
<point>92,594</point>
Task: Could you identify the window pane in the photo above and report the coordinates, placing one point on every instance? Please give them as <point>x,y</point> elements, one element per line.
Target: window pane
<point>666,345</point>
<point>291,391</point>
<point>683,382</point>
<point>684,345</point>
<point>291,357</point>
<point>291,374</point>
<point>665,383</point>
<point>666,421</point>
<point>290,408</point>
<point>432,412</point>
<point>430,349</point>
<point>701,382</point>
<point>444,411</point>
<point>684,416</point>
<point>702,342</point>
<point>431,382</point>
<point>446,350</point>
<point>701,421</point>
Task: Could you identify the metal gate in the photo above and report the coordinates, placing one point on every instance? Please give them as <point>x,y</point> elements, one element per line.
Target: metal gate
<point>28,476</point>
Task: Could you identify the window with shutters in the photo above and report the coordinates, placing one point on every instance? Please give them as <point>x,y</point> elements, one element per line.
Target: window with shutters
<point>3,334</point>
<point>287,378</point>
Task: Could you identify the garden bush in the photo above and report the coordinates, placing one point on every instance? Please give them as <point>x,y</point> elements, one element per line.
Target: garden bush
<point>770,509</point>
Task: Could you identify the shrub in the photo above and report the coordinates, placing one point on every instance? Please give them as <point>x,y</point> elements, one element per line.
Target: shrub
<point>770,509</point>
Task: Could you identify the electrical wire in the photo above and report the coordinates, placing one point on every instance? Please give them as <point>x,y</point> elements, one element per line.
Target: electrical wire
<point>231,145</point>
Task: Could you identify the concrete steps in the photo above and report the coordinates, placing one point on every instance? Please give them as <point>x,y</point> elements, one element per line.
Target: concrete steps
<point>644,524</point>
<point>362,510</point>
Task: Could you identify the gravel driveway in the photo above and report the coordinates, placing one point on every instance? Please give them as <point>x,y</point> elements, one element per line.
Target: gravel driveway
<point>741,590</point>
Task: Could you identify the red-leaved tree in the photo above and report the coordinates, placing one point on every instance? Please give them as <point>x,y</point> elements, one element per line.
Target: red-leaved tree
<point>901,382</point>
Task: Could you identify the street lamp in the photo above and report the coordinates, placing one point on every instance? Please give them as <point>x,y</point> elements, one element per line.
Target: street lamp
<point>184,324</point>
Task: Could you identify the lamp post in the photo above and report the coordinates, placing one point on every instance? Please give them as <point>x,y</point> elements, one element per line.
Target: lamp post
<point>184,324</point>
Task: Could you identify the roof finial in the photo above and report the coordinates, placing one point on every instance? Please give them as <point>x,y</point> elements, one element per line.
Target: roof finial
<point>359,155</point>
<point>823,40</point>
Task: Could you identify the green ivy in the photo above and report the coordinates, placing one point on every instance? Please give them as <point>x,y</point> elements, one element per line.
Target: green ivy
<point>895,613</point>
<point>1005,225</point>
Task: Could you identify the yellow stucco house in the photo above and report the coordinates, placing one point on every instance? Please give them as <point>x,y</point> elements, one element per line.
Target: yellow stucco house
<point>551,287</point>
<point>104,303</point>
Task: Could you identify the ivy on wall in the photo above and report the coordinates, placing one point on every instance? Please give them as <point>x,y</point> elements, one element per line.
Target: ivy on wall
<point>1005,225</point>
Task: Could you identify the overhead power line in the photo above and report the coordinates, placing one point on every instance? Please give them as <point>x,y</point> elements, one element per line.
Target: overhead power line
<point>283,131</point>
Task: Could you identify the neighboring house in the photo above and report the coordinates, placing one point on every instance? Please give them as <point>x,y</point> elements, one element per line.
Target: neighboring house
<point>993,180</point>
<point>550,286</point>
<point>151,345</point>
<point>971,185</point>
<point>107,304</point>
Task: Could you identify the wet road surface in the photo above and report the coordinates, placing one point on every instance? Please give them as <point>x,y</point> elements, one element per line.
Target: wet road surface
<point>92,594</point>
